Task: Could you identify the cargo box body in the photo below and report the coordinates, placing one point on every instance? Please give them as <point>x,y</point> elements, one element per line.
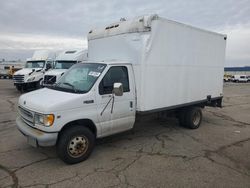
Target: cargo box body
<point>174,64</point>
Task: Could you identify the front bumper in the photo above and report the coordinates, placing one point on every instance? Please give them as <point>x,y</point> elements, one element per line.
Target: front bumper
<point>39,137</point>
<point>25,83</point>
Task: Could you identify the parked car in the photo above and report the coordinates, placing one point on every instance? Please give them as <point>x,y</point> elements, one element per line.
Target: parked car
<point>227,78</point>
<point>239,78</point>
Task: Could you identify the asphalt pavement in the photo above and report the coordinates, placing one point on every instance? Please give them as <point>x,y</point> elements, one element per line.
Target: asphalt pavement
<point>156,153</point>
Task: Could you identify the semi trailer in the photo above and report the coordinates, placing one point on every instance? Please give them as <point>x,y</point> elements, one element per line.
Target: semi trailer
<point>31,75</point>
<point>63,62</point>
<point>136,67</point>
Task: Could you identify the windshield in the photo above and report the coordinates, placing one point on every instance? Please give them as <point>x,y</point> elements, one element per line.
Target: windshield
<point>80,78</point>
<point>64,64</point>
<point>35,64</point>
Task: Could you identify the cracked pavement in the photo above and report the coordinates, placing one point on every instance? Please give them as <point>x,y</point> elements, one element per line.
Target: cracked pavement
<point>156,153</point>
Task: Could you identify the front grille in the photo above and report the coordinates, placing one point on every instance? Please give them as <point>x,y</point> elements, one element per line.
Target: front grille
<point>26,116</point>
<point>18,78</point>
<point>49,79</point>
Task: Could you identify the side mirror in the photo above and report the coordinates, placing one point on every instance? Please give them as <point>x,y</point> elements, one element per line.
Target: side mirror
<point>48,66</point>
<point>118,89</point>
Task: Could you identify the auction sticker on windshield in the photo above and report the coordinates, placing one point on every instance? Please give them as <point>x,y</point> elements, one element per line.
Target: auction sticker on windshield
<point>95,74</point>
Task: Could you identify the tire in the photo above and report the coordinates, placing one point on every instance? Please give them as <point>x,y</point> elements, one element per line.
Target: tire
<point>19,88</point>
<point>181,114</point>
<point>193,118</point>
<point>38,85</point>
<point>70,144</point>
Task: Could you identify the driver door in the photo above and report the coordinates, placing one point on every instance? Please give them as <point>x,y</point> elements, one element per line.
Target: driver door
<point>116,113</point>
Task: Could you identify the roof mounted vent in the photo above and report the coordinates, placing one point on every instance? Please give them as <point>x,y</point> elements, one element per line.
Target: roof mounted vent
<point>148,19</point>
<point>112,26</point>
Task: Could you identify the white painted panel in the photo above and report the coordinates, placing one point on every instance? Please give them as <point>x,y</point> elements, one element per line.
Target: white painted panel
<point>173,63</point>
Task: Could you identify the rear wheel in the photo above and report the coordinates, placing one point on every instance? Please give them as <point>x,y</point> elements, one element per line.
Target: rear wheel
<point>181,114</point>
<point>75,144</point>
<point>191,117</point>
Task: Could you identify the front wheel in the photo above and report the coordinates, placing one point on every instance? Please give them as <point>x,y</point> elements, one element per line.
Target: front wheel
<point>75,144</point>
<point>39,84</point>
<point>19,88</point>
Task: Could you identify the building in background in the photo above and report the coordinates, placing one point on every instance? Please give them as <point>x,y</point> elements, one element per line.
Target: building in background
<point>237,70</point>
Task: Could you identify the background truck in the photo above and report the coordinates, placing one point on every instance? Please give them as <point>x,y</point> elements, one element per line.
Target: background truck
<point>31,75</point>
<point>4,72</point>
<point>227,78</point>
<point>141,66</point>
<point>62,63</point>
<point>13,69</point>
<point>8,71</point>
<point>239,78</point>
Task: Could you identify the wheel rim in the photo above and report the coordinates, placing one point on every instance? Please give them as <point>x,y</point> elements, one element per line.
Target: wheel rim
<point>78,146</point>
<point>196,118</point>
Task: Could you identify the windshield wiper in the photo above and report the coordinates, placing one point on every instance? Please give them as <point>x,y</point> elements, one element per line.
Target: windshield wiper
<point>69,84</point>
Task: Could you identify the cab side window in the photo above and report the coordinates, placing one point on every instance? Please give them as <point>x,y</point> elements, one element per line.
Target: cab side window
<point>117,74</point>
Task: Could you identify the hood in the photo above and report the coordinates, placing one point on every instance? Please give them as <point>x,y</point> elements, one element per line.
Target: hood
<point>26,71</point>
<point>55,72</point>
<point>49,101</point>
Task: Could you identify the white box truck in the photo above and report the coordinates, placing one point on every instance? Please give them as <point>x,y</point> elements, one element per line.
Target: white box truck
<point>31,75</point>
<point>145,65</point>
<point>63,62</point>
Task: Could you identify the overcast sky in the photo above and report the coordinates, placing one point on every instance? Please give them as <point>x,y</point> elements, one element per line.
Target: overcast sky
<point>27,25</point>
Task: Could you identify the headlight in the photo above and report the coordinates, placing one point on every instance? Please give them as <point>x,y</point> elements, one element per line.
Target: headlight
<point>31,79</point>
<point>45,120</point>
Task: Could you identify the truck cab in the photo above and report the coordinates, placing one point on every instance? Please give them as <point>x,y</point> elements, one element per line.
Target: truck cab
<point>31,75</point>
<point>63,62</point>
<point>84,95</point>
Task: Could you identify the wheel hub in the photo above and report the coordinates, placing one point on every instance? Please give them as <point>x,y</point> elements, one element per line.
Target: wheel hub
<point>196,118</point>
<point>77,146</point>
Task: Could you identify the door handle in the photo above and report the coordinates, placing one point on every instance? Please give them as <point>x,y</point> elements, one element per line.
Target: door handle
<point>88,101</point>
<point>131,104</point>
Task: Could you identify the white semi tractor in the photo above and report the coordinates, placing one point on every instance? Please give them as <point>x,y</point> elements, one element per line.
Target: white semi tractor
<point>63,62</point>
<point>31,75</point>
<point>145,65</point>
